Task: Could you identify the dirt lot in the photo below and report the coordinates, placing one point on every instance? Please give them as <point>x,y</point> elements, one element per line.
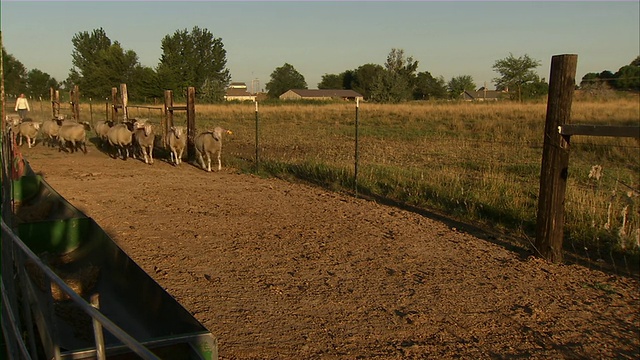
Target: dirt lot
<point>277,270</point>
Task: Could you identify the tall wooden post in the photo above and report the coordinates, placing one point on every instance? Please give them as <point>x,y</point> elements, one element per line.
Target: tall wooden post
<point>125,101</point>
<point>114,105</point>
<point>55,103</point>
<point>191,122</point>
<point>168,115</point>
<point>555,158</point>
<point>75,102</point>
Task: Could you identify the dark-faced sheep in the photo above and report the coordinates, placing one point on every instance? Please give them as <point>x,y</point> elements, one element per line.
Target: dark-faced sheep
<point>209,144</point>
<point>76,134</point>
<point>177,139</point>
<point>120,138</point>
<point>144,138</point>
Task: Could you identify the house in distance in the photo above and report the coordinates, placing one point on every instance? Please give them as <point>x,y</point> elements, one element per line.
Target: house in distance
<point>238,91</point>
<point>321,94</point>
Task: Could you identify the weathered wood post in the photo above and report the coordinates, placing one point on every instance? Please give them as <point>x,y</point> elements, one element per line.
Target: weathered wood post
<point>114,105</point>
<point>125,101</point>
<point>167,121</point>
<point>55,102</point>
<point>191,122</point>
<point>555,159</point>
<point>75,102</point>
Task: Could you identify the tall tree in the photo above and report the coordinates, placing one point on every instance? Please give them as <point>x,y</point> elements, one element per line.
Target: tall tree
<point>458,84</point>
<point>628,77</point>
<point>283,79</point>
<point>427,87</point>
<point>100,64</point>
<point>195,58</point>
<point>397,82</point>
<point>363,79</point>
<point>515,72</point>
<point>15,74</point>
<point>39,83</point>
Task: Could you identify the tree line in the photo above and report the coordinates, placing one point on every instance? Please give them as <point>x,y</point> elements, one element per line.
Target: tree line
<point>198,58</point>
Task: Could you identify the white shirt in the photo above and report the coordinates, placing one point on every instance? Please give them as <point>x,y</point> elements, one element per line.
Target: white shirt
<point>22,104</point>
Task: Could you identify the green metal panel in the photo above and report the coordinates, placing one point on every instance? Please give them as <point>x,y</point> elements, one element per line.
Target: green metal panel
<point>55,236</point>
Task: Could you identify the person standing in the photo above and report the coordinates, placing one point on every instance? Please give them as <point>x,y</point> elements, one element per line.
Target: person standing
<point>22,106</point>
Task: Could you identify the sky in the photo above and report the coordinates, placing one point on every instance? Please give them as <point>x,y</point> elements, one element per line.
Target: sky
<point>447,38</point>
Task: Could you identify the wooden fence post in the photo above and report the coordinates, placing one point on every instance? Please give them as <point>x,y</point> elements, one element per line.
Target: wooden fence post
<point>125,101</point>
<point>168,115</point>
<point>555,159</point>
<point>75,102</point>
<point>114,105</point>
<point>191,122</point>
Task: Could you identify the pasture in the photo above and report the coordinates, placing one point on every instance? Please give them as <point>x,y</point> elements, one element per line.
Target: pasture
<point>280,269</point>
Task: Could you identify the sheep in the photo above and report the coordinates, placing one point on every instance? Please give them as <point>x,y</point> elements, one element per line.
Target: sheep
<point>49,130</point>
<point>76,134</point>
<point>30,131</point>
<point>102,128</point>
<point>177,143</point>
<point>144,138</point>
<point>209,144</point>
<point>120,137</point>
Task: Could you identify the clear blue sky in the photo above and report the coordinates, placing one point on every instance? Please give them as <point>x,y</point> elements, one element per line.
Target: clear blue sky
<point>448,38</point>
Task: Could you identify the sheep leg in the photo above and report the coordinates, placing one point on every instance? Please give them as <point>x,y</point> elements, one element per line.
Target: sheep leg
<point>150,154</point>
<point>219,163</point>
<point>201,160</point>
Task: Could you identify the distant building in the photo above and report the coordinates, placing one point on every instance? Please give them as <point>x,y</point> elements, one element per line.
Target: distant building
<point>320,94</point>
<point>483,94</point>
<point>238,91</point>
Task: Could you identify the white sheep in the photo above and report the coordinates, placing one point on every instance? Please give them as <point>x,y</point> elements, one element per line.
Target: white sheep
<point>144,138</point>
<point>101,129</point>
<point>177,139</point>
<point>120,138</point>
<point>209,144</point>
<point>76,134</point>
<point>28,130</point>
<point>49,130</point>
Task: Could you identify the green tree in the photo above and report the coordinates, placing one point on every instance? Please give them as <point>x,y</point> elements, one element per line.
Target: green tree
<point>628,77</point>
<point>332,81</point>
<point>589,80</point>
<point>15,74</point>
<point>39,83</point>
<point>535,89</point>
<point>284,79</point>
<point>397,82</point>
<point>363,79</point>
<point>515,72</point>
<point>427,87</point>
<point>100,64</point>
<point>458,84</point>
<point>145,84</point>
<point>195,58</point>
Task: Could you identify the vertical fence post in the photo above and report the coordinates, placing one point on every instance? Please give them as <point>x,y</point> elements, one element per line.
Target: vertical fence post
<point>75,102</point>
<point>555,159</point>
<point>114,105</point>
<point>357,155</point>
<point>191,122</point>
<point>167,122</point>
<point>125,101</point>
<point>257,137</point>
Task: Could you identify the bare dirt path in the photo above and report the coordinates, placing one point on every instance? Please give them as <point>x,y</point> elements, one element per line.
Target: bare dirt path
<point>277,270</point>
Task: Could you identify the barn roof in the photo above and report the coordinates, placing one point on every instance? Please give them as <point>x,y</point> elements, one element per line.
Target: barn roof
<point>333,93</point>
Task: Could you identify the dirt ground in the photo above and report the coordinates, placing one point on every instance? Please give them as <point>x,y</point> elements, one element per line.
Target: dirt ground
<point>277,270</point>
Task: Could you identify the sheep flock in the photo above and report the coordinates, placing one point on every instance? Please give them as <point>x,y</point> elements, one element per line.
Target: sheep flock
<point>131,138</point>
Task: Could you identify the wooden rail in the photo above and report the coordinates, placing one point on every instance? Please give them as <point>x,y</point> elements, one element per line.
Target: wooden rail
<point>599,130</point>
